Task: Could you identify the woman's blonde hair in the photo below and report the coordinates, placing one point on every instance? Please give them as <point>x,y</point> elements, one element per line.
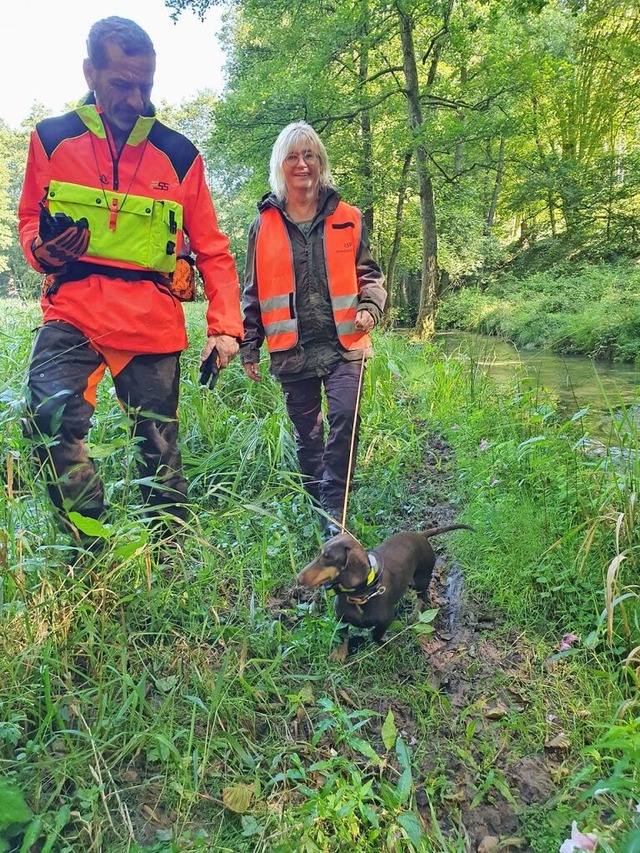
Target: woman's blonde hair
<point>288,138</point>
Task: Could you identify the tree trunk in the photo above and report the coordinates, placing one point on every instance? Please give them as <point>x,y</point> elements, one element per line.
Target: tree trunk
<point>397,239</point>
<point>552,213</point>
<point>365,129</point>
<point>459,149</point>
<point>546,167</point>
<point>488,223</point>
<point>425,325</point>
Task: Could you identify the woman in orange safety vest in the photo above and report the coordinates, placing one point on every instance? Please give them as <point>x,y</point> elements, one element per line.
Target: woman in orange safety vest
<point>313,291</point>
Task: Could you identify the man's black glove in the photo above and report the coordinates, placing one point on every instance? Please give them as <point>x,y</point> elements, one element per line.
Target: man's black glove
<point>60,240</point>
<point>209,370</point>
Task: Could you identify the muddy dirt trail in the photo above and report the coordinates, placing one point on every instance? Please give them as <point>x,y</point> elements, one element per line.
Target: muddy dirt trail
<point>486,672</point>
<point>486,675</point>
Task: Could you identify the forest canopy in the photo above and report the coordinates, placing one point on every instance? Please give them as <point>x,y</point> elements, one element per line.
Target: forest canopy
<point>461,130</point>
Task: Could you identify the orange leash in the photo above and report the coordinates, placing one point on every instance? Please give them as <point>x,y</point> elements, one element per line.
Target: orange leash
<point>351,448</point>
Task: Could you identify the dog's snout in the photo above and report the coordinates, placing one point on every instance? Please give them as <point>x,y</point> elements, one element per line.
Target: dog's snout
<point>313,575</point>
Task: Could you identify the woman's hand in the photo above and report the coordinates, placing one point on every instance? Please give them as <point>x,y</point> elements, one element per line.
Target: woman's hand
<point>364,321</point>
<point>251,369</point>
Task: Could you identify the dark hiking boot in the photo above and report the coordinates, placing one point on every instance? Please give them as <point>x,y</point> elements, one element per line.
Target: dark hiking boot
<point>330,526</point>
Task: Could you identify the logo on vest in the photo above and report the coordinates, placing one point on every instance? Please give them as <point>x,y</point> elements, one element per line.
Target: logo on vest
<point>159,185</point>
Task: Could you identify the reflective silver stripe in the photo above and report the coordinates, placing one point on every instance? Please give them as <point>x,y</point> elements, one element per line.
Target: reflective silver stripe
<point>274,302</point>
<point>346,328</point>
<point>342,302</point>
<point>280,327</point>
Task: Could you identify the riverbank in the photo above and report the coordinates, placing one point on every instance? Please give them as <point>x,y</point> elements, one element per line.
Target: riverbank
<point>586,308</point>
<point>207,711</point>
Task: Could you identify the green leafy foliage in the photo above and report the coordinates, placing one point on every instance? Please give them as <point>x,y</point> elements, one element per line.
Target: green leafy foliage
<point>135,693</point>
<point>522,127</point>
<point>592,310</point>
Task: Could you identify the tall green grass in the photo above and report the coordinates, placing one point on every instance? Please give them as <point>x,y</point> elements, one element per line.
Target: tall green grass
<point>204,710</point>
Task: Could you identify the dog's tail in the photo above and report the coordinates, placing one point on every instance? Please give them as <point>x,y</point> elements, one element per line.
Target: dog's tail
<point>433,531</point>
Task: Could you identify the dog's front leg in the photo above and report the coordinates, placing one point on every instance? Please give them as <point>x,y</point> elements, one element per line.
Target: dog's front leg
<point>379,631</point>
<point>342,650</point>
<point>356,642</point>
<point>419,607</point>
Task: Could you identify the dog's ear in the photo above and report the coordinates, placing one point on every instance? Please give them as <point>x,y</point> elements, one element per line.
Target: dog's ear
<point>354,558</point>
<point>336,551</point>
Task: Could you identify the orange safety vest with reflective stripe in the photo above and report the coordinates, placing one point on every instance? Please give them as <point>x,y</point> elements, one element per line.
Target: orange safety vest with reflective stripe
<point>275,276</point>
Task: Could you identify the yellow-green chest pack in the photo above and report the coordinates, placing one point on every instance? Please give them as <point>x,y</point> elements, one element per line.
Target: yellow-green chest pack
<point>125,228</point>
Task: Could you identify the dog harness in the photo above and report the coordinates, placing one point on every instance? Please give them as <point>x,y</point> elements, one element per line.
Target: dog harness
<point>362,593</point>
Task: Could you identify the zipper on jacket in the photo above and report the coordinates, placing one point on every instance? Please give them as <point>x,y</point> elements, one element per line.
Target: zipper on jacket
<point>115,157</point>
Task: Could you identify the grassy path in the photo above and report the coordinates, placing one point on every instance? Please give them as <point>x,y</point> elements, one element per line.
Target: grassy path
<point>205,711</point>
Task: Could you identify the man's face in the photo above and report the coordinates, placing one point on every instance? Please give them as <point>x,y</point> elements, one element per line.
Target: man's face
<point>123,88</point>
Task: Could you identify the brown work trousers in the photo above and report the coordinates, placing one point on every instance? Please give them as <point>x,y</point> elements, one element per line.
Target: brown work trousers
<point>64,373</point>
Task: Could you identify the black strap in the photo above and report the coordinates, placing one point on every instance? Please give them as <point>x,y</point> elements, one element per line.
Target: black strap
<point>83,269</point>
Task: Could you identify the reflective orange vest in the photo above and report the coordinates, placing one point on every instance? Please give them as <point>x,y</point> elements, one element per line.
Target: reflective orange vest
<point>276,277</point>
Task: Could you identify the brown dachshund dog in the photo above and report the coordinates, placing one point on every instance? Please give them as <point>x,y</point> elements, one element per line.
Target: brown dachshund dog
<point>369,584</point>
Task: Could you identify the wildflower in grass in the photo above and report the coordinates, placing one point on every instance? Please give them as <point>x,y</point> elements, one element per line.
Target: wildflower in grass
<point>567,641</point>
<point>579,841</point>
<point>484,445</point>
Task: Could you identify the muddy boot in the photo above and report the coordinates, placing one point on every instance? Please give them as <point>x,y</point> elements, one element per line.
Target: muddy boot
<point>170,559</point>
<point>330,526</point>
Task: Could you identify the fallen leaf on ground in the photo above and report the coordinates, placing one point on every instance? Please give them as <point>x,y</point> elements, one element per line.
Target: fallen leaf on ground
<point>152,815</point>
<point>497,712</point>
<point>560,741</point>
<point>347,698</point>
<point>237,798</point>
<point>445,635</point>
<point>129,775</point>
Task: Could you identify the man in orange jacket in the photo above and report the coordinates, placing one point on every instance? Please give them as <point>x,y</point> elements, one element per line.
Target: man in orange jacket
<point>108,195</point>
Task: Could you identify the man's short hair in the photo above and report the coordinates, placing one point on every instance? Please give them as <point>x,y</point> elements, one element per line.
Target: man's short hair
<point>126,34</point>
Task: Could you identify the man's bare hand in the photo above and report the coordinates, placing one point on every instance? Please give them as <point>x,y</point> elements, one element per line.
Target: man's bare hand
<point>227,349</point>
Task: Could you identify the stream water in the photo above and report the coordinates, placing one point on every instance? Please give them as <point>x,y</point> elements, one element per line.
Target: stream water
<point>604,388</point>
<point>578,382</point>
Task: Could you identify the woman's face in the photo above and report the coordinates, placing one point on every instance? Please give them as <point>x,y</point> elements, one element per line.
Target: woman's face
<point>301,167</point>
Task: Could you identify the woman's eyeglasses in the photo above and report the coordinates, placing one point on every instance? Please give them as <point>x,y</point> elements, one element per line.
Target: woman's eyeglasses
<point>309,157</point>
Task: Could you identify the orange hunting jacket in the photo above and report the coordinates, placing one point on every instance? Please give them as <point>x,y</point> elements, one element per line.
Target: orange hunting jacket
<point>156,163</point>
